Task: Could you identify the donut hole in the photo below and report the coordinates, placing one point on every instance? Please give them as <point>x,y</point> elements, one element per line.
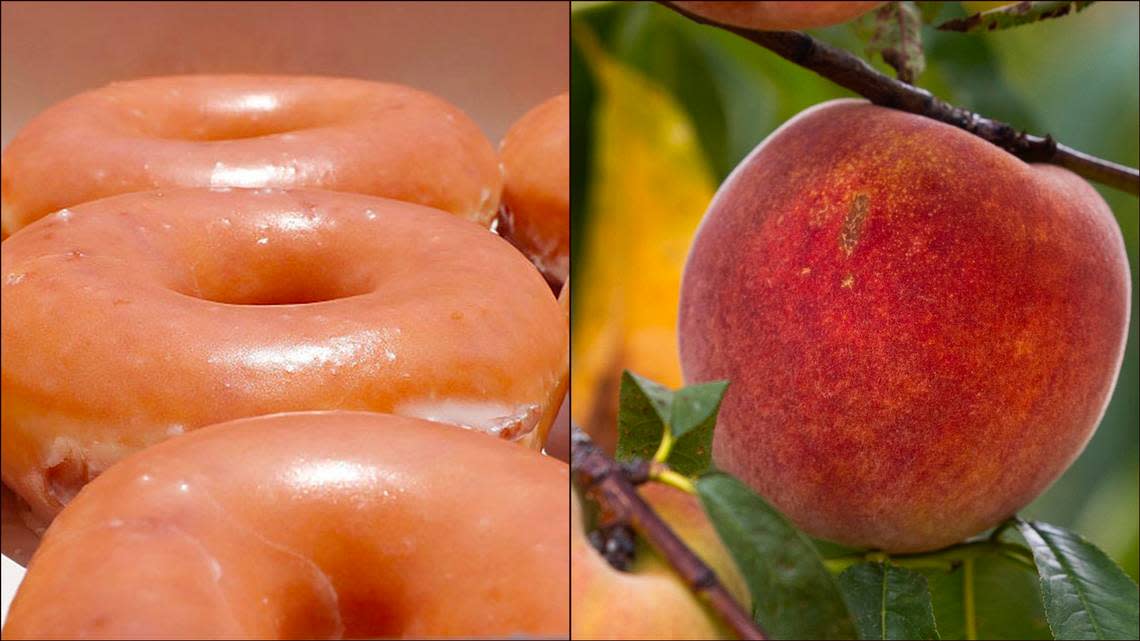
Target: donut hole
<point>266,268</point>
<point>285,286</point>
<point>239,117</point>
<point>241,127</point>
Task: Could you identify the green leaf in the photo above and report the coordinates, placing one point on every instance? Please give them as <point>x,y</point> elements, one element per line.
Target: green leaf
<point>643,410</point>
<point>894,31</point>
<point>1012,15</point>
<point>695,406</point>
<point>1007,600</point>
<point>693,418</point>
<point>889,602</point>
<point>692,454</point>
<point>1086,595</point>
<point>794,596</point>
<point>647,409</point>
<point>643,390</point>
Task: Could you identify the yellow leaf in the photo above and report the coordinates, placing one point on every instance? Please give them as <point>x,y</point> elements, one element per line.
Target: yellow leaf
<point>649,188</point>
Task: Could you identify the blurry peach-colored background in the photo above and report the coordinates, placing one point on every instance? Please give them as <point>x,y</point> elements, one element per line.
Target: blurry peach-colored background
<point>495,60</point>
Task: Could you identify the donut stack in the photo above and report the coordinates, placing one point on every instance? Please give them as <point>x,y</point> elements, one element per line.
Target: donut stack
<point>269,373</point>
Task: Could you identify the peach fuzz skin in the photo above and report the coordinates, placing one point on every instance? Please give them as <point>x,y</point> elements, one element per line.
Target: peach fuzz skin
<point>536,193</point>
<point>135,318</point>
<point>649,601</point>
<point>780,16</point>
<point>921,331</point>
<point>250,131</point>
<point>305,526</point>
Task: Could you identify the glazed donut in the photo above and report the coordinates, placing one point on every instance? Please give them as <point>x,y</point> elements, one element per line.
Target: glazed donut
<point>535,214</point>
<point>250,131</point>
<point>18,539</point>
<point>564,298</point>
<point>558,438</point>
<point>134,318</point>
<point>308,526</point>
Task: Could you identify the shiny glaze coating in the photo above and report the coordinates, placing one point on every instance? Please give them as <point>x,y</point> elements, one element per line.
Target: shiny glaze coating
<point>536,192</point>
<point>308,526</point>
<point>138,317</point>
<point>558,438</point>
<point>921,331</point>
<point>19,533</point>
<point>250,131</point>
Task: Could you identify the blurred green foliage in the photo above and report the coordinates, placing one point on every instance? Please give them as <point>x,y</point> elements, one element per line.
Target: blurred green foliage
<point>1075,78</point>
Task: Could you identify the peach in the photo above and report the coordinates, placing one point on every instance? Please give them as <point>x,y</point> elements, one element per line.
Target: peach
<point>921,331</point>
<point>779,16</point>
<point>649,601</point>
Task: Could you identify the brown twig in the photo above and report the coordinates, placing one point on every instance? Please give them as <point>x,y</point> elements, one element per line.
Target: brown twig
<point>606,482</point>
<point>851,72</point>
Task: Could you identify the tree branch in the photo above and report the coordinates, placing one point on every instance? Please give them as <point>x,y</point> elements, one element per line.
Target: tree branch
<point>851,72</point>
<point>607,483</point>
